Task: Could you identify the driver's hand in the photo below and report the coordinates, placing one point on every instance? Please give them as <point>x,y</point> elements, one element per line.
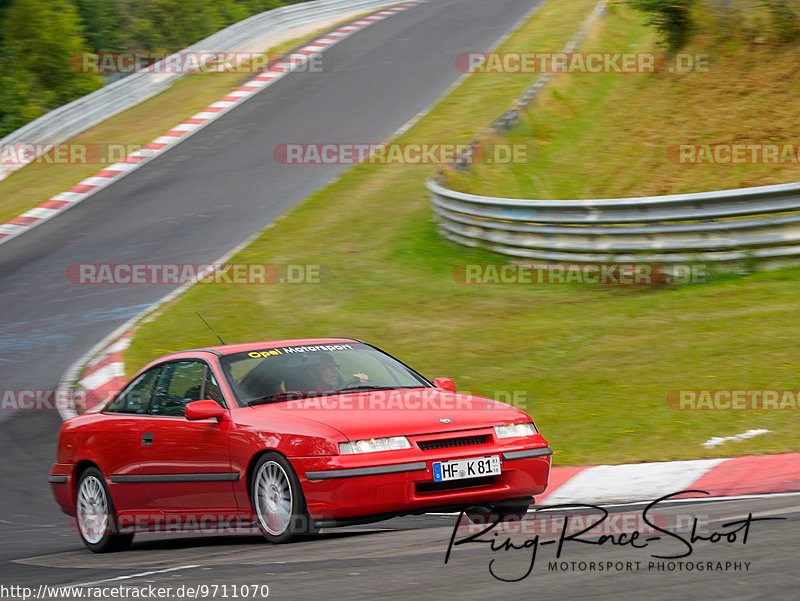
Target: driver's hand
<point>361,377</point>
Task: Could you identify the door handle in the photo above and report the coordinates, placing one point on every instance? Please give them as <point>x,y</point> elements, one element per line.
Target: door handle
<point>147,439</point>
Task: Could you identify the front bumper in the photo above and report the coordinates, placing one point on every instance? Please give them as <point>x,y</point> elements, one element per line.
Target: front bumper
<point>334,488</point>
<point>61,482</point>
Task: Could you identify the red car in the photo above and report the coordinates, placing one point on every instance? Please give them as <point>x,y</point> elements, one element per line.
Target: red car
<point>291,436</point>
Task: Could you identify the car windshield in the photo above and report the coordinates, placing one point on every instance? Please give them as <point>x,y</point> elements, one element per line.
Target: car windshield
<point>284,373</point>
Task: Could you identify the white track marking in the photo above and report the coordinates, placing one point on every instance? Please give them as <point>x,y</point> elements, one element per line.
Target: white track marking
<point>718,440</point>
<point>139,575</point>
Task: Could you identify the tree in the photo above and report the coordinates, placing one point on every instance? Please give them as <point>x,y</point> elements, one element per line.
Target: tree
<point>45,35</point>
<point>40,40</point>
<point>102,25</point>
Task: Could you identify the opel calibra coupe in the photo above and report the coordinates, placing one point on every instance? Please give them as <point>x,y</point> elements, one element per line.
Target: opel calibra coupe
<point>290,436</point>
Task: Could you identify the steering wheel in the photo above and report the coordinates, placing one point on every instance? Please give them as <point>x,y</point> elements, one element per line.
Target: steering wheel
<point>353,381</point>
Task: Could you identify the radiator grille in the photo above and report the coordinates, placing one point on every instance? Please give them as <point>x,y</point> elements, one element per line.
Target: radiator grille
<point>447,443</point>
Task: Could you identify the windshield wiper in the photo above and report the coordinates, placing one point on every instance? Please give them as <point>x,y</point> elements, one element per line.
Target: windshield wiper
<point>290,395</point>
<point>374,387</point>
<point>283,395</point>
<point>264,399</point>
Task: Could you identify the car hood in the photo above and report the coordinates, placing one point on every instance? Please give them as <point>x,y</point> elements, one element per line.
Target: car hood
<point>400,412</point>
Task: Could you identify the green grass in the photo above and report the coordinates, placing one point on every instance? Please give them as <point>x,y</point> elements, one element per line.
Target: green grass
<point>608,135</point>
<point>28,187</point>
<point>592,365</point>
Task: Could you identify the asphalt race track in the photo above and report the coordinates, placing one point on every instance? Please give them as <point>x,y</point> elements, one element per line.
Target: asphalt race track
<point>404,558</point>
<point>192,205</point>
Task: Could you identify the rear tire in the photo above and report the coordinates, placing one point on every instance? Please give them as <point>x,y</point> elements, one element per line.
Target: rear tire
<point>279,505</point>
<point>97,520</point>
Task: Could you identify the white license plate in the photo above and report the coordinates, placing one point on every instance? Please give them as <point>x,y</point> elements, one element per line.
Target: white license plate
<point>466,468</point>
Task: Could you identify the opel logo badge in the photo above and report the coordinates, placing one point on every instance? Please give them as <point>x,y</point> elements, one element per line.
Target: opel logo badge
<point>444,420</point>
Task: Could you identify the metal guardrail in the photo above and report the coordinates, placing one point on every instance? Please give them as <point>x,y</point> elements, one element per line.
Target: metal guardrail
<point>725,225</point>
<point>69,120</point>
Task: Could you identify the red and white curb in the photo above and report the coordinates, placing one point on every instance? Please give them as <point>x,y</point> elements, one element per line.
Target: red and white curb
<point>736,476</point>
<point>61,202</point>
<point>104,375</point>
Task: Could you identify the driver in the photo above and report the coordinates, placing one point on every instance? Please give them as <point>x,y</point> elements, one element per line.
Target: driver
<point>325,374</point>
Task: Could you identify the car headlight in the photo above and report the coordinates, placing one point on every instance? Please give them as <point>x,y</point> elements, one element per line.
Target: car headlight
<point>511,430</point>
<point>374,444</point>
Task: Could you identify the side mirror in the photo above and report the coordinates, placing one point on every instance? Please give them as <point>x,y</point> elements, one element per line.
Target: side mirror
<point>205,410</point>
<point>445,384</point>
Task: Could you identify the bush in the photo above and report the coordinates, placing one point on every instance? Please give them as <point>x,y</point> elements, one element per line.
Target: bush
<point>671,18</point>
<point>785,23</point>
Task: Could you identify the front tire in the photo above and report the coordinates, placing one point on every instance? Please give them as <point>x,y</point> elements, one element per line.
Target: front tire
<point>97,520</point>
<point>278,501</point>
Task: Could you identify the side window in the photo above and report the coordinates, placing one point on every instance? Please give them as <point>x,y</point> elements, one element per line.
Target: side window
<point>136,397</point>
<point>211,390</point>
<point>180,383</point>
